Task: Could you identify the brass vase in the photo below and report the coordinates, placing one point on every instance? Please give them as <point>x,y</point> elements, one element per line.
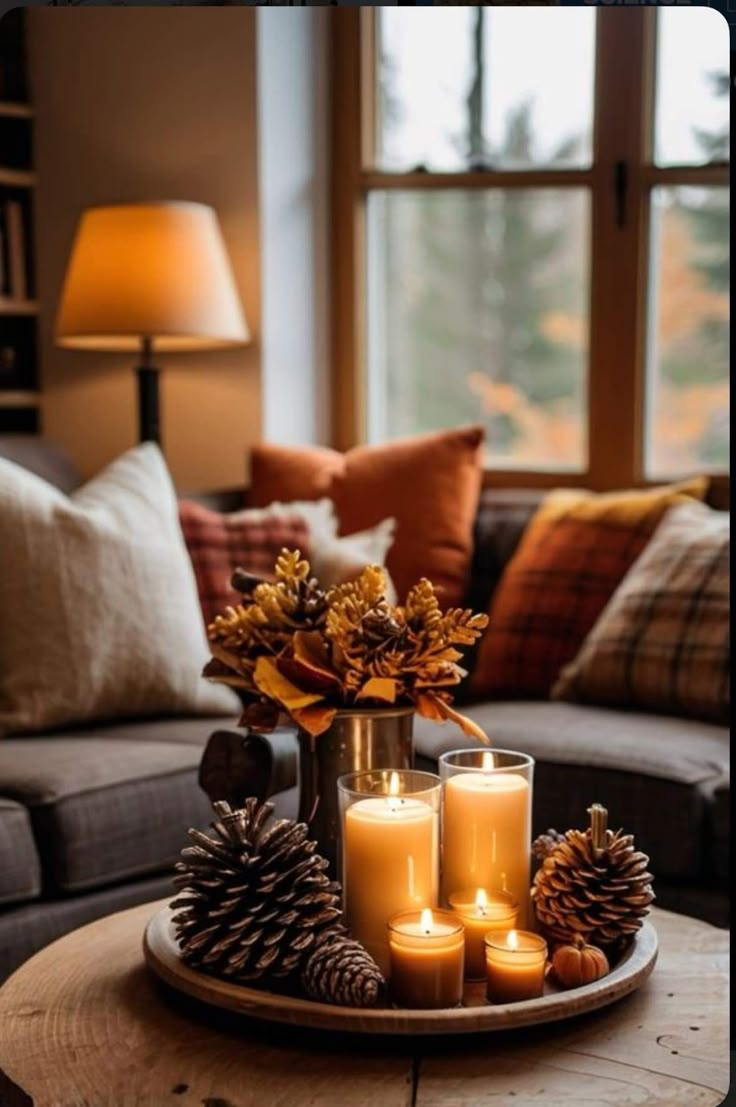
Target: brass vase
<point>357,739</point>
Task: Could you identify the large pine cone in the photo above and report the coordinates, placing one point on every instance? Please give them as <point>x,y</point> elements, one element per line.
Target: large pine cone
<point>341,971</point>
<point>595,884</point>
<point>255,900</point>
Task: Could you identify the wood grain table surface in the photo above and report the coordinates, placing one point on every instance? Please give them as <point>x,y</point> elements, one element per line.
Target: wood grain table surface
<point>84,1024</point>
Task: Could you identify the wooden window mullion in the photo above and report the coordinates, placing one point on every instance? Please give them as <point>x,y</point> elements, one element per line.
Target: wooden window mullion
<point>348,119</point>
<point>619,247</point>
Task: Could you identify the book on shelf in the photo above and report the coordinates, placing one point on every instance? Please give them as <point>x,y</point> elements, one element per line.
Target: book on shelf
<point>17,282</point>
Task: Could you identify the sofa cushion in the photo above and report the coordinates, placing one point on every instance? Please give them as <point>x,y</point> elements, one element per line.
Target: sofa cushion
<point>429,483</point>
<point>109,803</point>
<point>570,559</point>
<point>662,641</point>
<point>99,608</point>
<point>219,542</point>
<point>20,867</point>
<point>637,765</point>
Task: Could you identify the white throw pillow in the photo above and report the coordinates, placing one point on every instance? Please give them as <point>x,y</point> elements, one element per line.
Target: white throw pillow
<point>99,616</point>
<point>334,559</point>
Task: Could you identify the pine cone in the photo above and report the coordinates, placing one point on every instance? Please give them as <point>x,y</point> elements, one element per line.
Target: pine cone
<point>595,884</point>
<point>254,900</point>
<point>341,971</point>
<point>545,843</point>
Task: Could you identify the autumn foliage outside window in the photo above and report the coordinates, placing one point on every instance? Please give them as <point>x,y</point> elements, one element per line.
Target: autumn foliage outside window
<point>479,194</point>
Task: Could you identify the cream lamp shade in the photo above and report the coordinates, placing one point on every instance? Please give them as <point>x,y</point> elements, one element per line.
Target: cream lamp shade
<point>153,271</point>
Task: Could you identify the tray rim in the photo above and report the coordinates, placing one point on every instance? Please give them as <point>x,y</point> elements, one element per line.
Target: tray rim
<point>163,959</point>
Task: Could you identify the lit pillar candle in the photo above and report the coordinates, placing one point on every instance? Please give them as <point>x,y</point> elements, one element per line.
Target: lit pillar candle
<point>515,966</point>
<point>486,830</point>
<point>481,912</point>
<point>427,953</point>
<point>390,864</point>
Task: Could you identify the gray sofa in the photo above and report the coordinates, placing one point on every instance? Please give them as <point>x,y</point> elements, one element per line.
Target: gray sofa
<point>91,819</point>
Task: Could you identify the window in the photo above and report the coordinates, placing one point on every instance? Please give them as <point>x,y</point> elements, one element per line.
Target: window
<point>687,357</point>
<point>531,231</point>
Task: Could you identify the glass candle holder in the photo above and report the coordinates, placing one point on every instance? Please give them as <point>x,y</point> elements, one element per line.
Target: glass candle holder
<point>515,966</point>
<point>389,850</point>
<point>427,951</point>
<point>487,823</point>
<point>481,912</point>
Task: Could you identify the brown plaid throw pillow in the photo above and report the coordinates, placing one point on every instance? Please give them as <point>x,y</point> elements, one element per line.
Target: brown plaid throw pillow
<point>217,544</point>
<point>662,642</point>
<point>572,556</point>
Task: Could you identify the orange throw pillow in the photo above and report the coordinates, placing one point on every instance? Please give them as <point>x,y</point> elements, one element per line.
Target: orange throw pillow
<point>430,484</point>
<point>572,556</point>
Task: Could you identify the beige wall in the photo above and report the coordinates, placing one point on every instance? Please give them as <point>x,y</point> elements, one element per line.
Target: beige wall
<point>148,104</point>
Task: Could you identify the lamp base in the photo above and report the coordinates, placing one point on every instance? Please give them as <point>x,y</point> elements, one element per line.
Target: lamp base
<point>149,429</point>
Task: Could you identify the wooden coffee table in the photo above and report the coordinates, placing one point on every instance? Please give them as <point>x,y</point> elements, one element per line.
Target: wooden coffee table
<point>83,1024</point>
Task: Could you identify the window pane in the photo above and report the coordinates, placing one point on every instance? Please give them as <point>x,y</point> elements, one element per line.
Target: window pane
<point>478,312</point>
<point>687,417</point>
<point>692,96</point>
<point>511,88</point>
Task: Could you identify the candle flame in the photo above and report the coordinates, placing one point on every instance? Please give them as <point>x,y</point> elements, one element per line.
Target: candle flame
<point>512,940</point>
<point>426,920</point>
<point>488,761</point>
<point>481,900</point>
<point>394,787</point>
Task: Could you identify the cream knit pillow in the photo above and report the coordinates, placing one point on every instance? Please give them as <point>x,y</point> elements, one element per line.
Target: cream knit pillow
<point>99,617</point>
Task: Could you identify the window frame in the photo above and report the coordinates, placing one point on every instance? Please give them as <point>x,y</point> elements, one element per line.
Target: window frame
<point>625,49</point>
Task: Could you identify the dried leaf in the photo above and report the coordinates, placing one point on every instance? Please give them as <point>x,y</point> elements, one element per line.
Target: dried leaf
<point>228,657</point>
<point>276,686</point>
<point>260,715</point>
<point>309,666</point>
<point>218,673</point>
<point>446,712</point>
<point>316,719</point>
<point>378,688</point>
<point>426,706</point>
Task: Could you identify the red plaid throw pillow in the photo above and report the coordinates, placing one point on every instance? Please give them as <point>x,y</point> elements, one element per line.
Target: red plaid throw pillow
<point>217,544</point>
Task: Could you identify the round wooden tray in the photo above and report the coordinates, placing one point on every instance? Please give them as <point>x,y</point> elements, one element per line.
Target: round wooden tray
<point>475,1016</point>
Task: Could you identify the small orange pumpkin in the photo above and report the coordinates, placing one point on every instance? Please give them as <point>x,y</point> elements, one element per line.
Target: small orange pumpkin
<point>578,964</point>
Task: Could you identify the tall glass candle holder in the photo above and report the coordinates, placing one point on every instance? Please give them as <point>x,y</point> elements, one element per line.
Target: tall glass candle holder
<point>389,850</point>
<point>487,823</point>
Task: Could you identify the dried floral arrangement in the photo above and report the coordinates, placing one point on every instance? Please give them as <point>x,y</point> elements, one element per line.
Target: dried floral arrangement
<point>290,646</point>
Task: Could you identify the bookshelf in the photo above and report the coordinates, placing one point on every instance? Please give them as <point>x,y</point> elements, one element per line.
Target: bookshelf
<point>20,399</point>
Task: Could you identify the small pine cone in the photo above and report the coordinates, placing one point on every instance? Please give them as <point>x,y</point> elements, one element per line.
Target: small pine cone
<point>595,884</point>
<point>379,627</point>
<point>339,970</point>
<point>545,843</point>
<point>254,900</point>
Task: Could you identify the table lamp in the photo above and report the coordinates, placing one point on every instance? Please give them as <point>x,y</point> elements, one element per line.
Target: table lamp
<point>149,277</point>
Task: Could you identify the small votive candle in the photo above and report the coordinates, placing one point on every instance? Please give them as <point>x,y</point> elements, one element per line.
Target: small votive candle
<point>515,965</point>
<point>482,912</point>
<point>427,951</point>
